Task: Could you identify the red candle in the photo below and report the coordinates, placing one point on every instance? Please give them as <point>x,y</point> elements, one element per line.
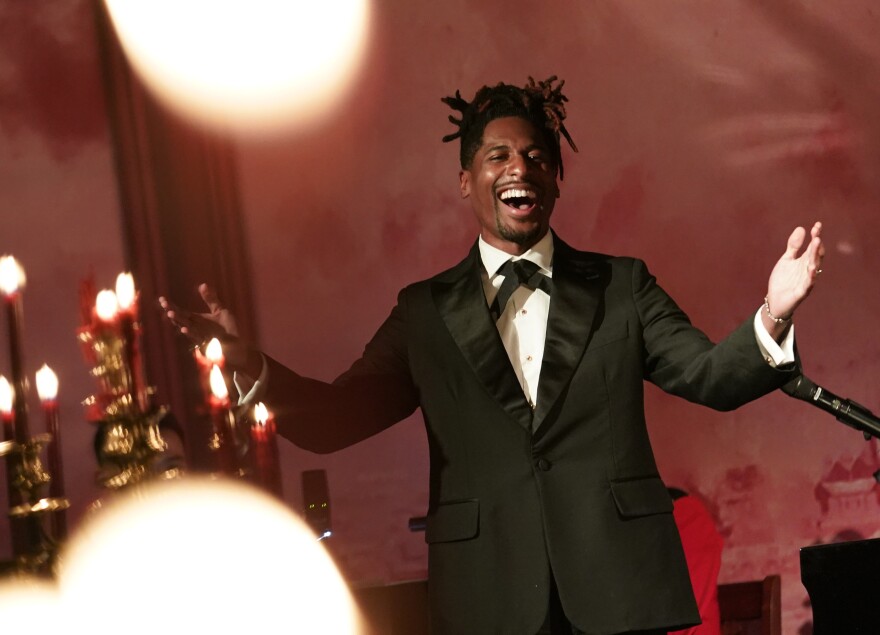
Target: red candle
<point>104,331</point>
<point>12,281</point>
<point>11,285</point>
<point>47,389</point>
<point>7,398</point>
<point>264,449</point>
<point>213,356</point>
<point>223,443</point>
<point>126,297</point>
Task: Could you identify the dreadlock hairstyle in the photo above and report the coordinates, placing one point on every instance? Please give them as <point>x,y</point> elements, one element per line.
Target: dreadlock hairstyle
<point>537,102</point>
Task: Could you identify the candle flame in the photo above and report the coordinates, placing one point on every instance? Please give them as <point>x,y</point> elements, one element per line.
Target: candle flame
<point>47,384</point>
<point>261,413</point>
<point>218,384</point>
<point>106,305</point>
<point>214,351</point>
<point>125,292</point>
<point>7,396</point>
<point>11,275</point>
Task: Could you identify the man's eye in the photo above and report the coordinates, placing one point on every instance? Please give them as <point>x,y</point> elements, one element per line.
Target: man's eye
<point>537,157</point>
<point>497,157</point>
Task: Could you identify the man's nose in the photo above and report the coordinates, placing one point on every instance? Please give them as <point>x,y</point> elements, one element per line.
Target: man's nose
<point>518,164</point>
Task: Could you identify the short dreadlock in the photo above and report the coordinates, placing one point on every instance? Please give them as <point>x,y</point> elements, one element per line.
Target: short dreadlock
<point>537,102</point>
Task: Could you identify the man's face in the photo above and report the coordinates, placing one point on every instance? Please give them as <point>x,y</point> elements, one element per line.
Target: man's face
<point>512,185</point>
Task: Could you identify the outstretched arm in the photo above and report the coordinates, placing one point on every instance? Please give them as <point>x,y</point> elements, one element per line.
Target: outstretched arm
<point>218,322</point>
<point>792,279</point>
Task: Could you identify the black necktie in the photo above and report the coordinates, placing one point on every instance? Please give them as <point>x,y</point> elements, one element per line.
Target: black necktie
<point>516,273</point>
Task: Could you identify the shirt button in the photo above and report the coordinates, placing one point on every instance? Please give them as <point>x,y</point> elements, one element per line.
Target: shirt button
<point>528,358</point>
<point>544,465</point>
<point>524,311</point>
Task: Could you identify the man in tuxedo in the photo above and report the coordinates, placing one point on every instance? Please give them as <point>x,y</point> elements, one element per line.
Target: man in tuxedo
<point>527,359</point>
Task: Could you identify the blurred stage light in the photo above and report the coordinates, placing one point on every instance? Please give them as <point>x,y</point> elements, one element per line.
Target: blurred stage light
<point>253,66</point>
<point>199,555</point>
<point>29,605</point>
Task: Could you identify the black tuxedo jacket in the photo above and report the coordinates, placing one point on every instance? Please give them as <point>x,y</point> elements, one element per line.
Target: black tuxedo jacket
<point>569,490</point>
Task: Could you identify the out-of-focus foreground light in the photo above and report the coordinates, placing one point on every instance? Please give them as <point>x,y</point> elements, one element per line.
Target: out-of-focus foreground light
<point>247,65</point>
<point>202,556</point>
<point>29,605</point>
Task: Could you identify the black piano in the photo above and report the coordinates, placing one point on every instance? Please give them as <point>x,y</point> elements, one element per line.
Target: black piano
<point>843,580</point>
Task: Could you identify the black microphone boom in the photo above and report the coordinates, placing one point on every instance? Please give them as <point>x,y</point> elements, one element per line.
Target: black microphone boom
<point>847,411</point>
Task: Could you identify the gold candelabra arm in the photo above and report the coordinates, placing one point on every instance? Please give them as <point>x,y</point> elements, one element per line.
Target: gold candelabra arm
<point>131,449</point>
<point>35,548</point>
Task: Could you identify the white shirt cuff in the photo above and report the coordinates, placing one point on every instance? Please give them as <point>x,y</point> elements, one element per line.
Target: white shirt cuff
<point>776,354</point>
<point>250,391</point>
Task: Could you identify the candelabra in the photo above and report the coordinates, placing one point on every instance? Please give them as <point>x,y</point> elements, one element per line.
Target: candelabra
<point>129,444</point>
<point>34,541</point>
<point>241,447</point>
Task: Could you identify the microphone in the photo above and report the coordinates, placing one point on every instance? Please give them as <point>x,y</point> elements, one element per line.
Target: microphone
<point>845,410</point>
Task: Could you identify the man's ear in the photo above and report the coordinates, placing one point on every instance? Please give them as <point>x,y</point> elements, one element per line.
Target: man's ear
<point>464,181</point>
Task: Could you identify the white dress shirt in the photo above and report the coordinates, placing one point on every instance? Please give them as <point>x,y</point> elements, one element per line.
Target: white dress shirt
<point>523,322</point>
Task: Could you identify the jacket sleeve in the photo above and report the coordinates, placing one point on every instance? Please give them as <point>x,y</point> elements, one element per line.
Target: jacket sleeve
<point>680,359</point>
<point>375,393</point>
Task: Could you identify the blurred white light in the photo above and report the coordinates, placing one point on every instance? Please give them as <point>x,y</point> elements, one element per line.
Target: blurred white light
<point>202,556</point>
<point>7,396</point>
<point>47,383</point>
<point>125,292</point>
<point>261,413</point>
<point>28,605</point>
<point>106,305</point>
<point>214,351</point>
<point>255,66</point>
<point>218,383</point>
<point>11,275</point>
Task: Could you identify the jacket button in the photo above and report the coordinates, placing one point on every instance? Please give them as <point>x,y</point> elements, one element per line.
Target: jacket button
<point>544,465</point>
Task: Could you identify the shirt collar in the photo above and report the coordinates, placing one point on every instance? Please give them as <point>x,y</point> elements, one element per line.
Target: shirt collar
<point>541,254</point>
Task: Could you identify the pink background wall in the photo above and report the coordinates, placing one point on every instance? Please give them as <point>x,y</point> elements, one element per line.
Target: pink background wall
<point>707,132</point>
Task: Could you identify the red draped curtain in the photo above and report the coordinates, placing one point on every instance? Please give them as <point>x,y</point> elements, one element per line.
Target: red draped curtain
<point>183,224</point>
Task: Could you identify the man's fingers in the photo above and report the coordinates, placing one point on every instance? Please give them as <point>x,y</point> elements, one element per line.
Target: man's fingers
<point>210,297</point>
<point>173,312</point>
<point>795,241</point>
<point>815,251</point>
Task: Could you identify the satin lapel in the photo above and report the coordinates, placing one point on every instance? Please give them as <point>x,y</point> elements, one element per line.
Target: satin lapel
<point>462,304</point>
<point>573,304</point>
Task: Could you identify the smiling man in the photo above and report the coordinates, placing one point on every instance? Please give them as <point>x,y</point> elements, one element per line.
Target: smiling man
<point>528,361</point>
<point>511,181</point>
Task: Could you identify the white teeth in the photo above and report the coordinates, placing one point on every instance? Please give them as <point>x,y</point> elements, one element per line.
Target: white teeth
<point>508,194</point>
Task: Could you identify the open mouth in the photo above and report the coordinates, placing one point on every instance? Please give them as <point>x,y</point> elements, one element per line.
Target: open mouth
<point>520,199</point>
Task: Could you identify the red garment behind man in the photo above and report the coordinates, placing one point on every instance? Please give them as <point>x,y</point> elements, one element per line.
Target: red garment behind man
<point>702,550</point>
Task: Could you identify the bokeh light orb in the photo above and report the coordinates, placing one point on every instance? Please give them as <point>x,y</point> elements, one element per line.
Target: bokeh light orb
<point>250,66</point>
<point>200,555</point>
<point>29,605</point>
